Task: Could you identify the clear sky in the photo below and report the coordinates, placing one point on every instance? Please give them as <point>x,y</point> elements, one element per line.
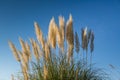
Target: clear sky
<point>102,16</point>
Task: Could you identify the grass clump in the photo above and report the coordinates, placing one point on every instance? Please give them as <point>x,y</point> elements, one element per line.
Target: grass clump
<point>55,56</point>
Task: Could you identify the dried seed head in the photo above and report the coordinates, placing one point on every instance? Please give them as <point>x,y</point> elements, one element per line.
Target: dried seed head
<point>22,43</point>
<point>89,36</point>
<point>77,43</point>
<point>39,34</point>
<point>70,18</point>
<point>82,35</point>
<point>70,53</point>
<point>25,74</point>
<point>84,39</point>
<point>69,31</point>
<point>59,39</point>
<point>14,50</point>
<point>70,37</point>
<point>52,33</point>
<point>24,60</point>
<point>61,21</point>
<point>92,42</point>
<point>25,65</point>
<point>25,50</point>
<point>28,50</point>
<point>61,33</point>
<point>47,51</point>
<point>85,31</point>
<point>36,49</point>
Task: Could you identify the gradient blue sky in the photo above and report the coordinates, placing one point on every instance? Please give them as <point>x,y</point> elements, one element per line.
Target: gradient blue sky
<point>102,16</point>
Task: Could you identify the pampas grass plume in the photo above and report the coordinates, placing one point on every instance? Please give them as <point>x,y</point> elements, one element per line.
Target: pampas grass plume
<point>52,33</point>
<point>36,49</point>
<point>39,34</point>
<point>14,50</point>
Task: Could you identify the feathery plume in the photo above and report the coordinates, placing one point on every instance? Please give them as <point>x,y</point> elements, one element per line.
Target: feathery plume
<point>70,53</point>
<point>77,43</point>
<point>36,49</point>
<point>14,50</point>
<point>84,39</point>
<point>25,74</point>
<point>47,51</point>
<point>85,32</point>
<point>28,50</point>
<point>69,31</point>
<point>92,42</point>
<point>24,61</point>
<point>59,39</point>
<point>62,26</point>
<point>22,43</point>
<point>61,33</point>
<point>25,50</point>
<point>70,37</point>
<point>39,34</point>
<point>52,33</point>
<point>91,45</point>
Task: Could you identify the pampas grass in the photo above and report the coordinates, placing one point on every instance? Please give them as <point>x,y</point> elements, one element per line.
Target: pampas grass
<point>49,64</point>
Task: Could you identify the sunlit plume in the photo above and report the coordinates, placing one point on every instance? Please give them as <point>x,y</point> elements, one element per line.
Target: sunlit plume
<point>70,37</point>
<point>61,33</point>
<point>47,51</point>
<point>39,34</point>
<point>36,49</point>
<point>52,33</point>
<point>14,50</point>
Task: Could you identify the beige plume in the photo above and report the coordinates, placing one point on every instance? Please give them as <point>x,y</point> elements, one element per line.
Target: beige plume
<point>85,31</point>
<point>69,31</point>
<point>70,37</point>
<point>52,33</point>
<point>39,34</point>
<point>14,50</point>
<point>24,60</point>
<point>60,33</point>
<point>36,49</point>
<point>28,50</point>
<point>25,50</point>
<point>25,74</point>
<point>22,43</point>
<point>47,51</point>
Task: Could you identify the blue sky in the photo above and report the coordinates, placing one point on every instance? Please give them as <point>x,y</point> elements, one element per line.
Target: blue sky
<point>102,16</point>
